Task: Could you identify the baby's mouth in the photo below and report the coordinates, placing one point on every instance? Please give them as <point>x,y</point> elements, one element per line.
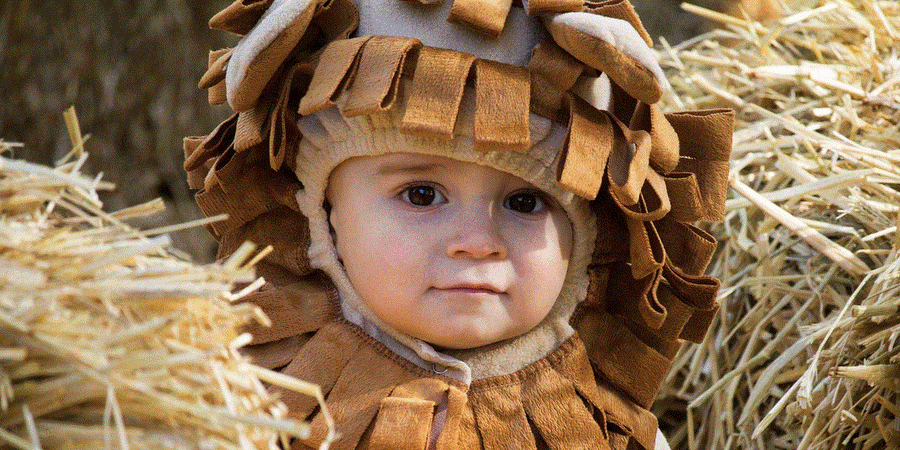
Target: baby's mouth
<point>472,288</point>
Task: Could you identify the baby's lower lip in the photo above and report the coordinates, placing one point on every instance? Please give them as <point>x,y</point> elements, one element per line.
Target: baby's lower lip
<point>469,290</point>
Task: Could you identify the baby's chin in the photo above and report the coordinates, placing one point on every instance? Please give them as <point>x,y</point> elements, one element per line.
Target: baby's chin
<point>468,337</point>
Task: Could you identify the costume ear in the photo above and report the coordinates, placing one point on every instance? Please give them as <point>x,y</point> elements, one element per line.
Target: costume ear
<point>261,51</point>
<point>612,46</point>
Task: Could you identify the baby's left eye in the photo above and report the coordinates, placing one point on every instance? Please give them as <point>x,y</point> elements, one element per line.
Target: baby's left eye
<point>525,202</point>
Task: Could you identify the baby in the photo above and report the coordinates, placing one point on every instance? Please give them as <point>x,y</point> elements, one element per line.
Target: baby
<point>454,253</point>
<point>480,226</point>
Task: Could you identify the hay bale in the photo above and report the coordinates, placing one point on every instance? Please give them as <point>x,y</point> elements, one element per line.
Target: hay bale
<point>107,339</point>
<point>804,352</point>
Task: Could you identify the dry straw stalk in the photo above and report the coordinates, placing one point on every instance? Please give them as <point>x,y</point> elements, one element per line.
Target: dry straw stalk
<point>109,340</point>
<point>804,352</point>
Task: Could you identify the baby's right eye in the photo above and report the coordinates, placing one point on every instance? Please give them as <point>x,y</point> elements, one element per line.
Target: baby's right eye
<point>422,195</point>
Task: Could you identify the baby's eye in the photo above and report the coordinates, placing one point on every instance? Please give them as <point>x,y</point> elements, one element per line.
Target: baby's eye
<point>422,195</point>
<point>525,202</point>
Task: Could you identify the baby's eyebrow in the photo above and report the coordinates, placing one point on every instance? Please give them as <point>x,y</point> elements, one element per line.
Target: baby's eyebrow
<point>407,168</point>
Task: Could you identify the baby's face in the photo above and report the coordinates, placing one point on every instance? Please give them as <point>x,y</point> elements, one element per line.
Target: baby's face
<point>453,253</point>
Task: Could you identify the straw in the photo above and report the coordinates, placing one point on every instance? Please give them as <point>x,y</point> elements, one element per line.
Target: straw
<point>108,340</point>
<point>804,351</point>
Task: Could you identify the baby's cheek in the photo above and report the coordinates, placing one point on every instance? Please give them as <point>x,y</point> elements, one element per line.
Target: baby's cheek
<point>393,247</point>
<point>543,273</point>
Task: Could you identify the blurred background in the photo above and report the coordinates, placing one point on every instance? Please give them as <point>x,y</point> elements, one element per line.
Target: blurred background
<point>130,68</point>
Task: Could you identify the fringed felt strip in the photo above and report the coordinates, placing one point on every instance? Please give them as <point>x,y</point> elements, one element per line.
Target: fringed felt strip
<point>469,436</point>
<point>629,163</point>
<point>228,166</point>
<point>553,72</point>
<point>335,71</point>
<point>547,99</point>
<point>664,141</point>
<point>699,292</point>
<point>501,418</point>
<point>329,340</point>
<point>548,398</point>
<point>609,405</point>
<point>684,196</point>
<point>352,417</point>
<point>683,320</point>
<point>536,7</point>
<point>242,208</point>
<point>687,247</point>
<point>251,125</point>
<point>653,203</point>
<point>692,295</point>
<point>705,148</point>
<point>576,367</point>
<point>646,248</point>
<point>214,144</point>
<point>436,92</point>
<point>284,228</point>
<point>587,149</point>
<point>619,9</point>
<point>430,389</point>
<point>224,186</point>
<point>276,354</point>
<point>502,106</point>
<point>240,16</point>
<point>371,374</point>
<point>284,135</point>
<point>486,16</point>
<point>214,78</point>
<point>382,63</point>
<point>285,27</point>
<point>611,231</point>
<point>402,424</point>
<point>552,62</point>
<point>626,361</point>
<point>618,408</point>
<point>643,306</point>
<point>197,175</point>
<point>354,401</point>
<point>215,72</point>
<point>696,292</point>
<point>451,436</point>
<point>338,20</point>
<point>217,95</point>
<point>406,418</point>
<point>296,308</point>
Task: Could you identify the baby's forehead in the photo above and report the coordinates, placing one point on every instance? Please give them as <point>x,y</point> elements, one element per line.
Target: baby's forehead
<point>404,164</point>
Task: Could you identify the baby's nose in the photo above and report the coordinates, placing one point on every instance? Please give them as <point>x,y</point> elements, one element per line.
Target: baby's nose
<point>477,235</point>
